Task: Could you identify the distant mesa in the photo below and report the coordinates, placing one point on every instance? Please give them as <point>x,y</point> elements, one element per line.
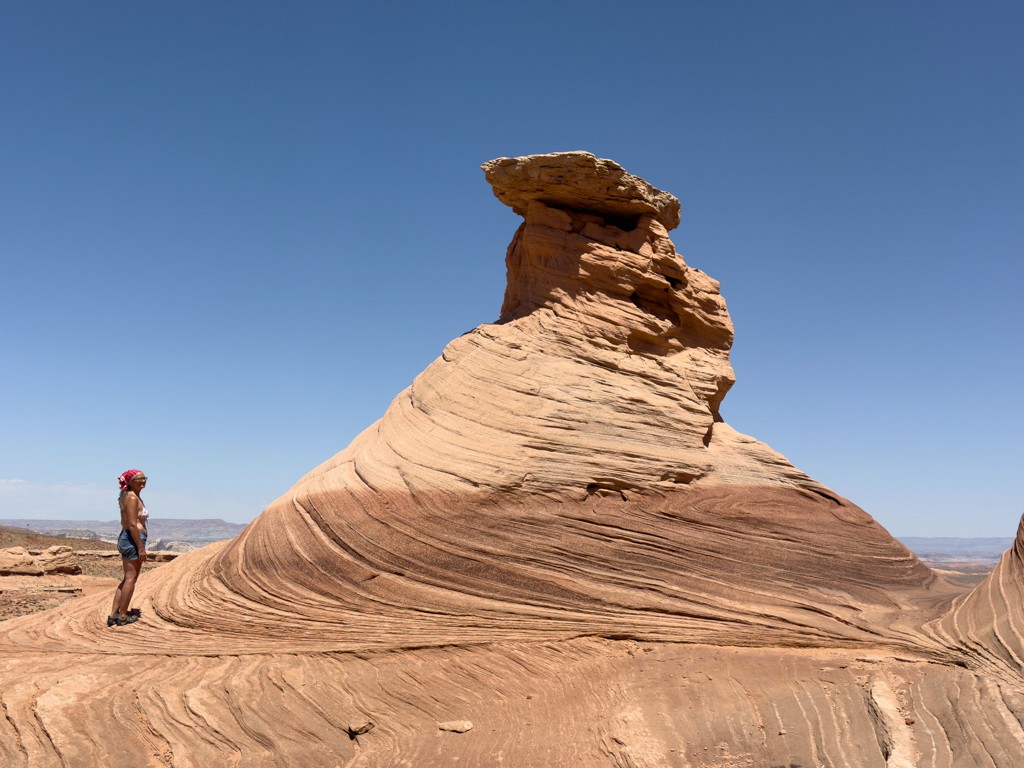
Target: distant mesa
<point>192,533</point>
<point>75,533</point>
<point>552,533</point>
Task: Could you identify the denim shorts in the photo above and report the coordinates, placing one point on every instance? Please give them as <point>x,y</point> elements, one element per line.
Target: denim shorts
<point>126,545</point>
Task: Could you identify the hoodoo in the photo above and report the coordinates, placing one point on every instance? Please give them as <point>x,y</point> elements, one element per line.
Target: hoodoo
<point>552,533</point>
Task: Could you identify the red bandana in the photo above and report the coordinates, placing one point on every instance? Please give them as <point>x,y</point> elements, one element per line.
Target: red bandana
<point>125,480</point>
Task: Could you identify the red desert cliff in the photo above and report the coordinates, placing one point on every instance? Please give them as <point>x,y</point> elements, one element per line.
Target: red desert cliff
<point>550,551</point>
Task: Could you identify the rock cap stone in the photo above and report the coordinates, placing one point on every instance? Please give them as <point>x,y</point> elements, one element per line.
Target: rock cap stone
<point>580,181</point>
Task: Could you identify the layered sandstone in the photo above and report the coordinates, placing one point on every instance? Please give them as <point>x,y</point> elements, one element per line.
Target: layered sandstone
<point>19,561</point>
<point>988,624</point>
<point>554,534</point>
<point>581,182</point>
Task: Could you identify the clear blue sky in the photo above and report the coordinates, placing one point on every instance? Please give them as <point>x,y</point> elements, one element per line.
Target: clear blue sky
<point>231,233</point>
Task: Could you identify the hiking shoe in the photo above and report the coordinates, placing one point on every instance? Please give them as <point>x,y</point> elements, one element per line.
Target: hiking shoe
<point>111,620</point>
<point>129,619</point>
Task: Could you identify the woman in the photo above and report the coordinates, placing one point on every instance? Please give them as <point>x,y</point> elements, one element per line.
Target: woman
<point>131,544</point>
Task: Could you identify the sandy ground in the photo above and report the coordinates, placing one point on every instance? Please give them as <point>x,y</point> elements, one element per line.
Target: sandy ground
<point>21,595</point>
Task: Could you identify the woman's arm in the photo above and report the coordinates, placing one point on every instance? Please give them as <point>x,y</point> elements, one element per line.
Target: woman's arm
<point>131,508</point>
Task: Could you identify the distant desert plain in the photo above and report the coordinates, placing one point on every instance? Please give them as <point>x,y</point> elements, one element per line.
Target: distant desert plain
<point>551,550</point>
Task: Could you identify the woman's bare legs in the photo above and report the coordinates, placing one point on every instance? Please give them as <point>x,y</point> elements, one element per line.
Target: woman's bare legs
<point>117,592</point>
<point>123,595</point>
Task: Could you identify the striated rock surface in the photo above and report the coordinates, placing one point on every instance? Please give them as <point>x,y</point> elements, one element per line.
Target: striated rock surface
<point>553,534</point>
<point>988,624</point>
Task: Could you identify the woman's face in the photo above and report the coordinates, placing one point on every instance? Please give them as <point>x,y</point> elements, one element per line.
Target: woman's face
<point>138,482</point>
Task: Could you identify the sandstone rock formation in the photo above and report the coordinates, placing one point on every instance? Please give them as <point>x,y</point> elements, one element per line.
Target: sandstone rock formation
<point>553,534</point>
<point>56,559</point>
<point>581,182</point>
<point>17,561</point>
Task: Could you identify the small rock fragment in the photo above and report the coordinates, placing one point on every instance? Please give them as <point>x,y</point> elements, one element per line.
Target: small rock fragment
<point>455,726</point>
<point>782,733</point>
<point>357,726</point>
<point>909,721</point>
